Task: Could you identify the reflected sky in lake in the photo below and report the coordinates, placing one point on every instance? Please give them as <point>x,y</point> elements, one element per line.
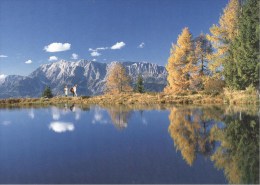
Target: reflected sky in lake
<point>75,144</point>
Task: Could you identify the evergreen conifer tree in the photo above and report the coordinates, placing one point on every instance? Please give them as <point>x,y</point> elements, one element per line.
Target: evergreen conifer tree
<point>244,52</point>
<point>47,92</point>
<point>140,85</point>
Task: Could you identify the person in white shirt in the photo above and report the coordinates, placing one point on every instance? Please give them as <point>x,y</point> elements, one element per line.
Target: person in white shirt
<point>75,90</point>
<point>66,90</point>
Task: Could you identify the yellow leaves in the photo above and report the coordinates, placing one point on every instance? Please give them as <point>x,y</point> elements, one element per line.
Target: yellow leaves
<point>184,40</point>
<point>118,81</point>
<point>224,33</point>
<point>179,63</point>
<point>229,19</point>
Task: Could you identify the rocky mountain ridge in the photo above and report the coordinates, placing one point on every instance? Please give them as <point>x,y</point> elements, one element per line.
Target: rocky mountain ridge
<point>90,77</point>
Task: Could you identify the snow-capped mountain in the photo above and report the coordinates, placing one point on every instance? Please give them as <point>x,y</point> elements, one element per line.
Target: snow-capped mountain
<point>90,77</point>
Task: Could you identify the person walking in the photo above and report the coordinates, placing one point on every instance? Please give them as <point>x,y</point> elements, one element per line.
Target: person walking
<point>66,90</point>
<point>75,90</point>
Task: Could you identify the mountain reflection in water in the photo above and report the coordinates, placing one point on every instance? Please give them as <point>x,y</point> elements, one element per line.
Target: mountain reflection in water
<point>224,137</point>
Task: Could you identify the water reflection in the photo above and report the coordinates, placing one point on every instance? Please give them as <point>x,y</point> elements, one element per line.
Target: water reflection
<point>226,137</point>
<point>31,113</point>
<point>5,122</point>
<point>99,116</point>
<point>76,110</point>
<point>190,128</point>
<point>55,113</point>
<point>229,138</point>
<point>144,121</point>
<point>59,126</point>
<point>120,116</point>
<point>238,153</point>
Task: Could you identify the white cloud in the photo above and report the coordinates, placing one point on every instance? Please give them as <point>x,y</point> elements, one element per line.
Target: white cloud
<point>141,45</point>
<point>3,56</point>
<point>102,48</point>
<point>53,58</point>
<point>28,62</point>
<point>94,60</point>
<point>74,56</point>
<point>59,127</point>
<point>118,45</point>
<point>57,47</point>
<point>95,54</point>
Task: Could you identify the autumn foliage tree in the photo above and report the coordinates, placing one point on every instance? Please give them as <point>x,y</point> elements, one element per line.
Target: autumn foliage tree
<point>118,80</point>
<point>180,65</point>
<point>222,36</point>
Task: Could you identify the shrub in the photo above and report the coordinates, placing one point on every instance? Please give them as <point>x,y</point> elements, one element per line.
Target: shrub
<point>214,86</point>
<point>251,89</point>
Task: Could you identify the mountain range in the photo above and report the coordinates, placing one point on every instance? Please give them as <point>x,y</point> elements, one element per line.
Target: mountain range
<point>90,77</point>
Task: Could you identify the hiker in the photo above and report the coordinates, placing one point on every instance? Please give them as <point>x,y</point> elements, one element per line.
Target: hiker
<point>66,90</point>
<point>72,91</point>
<point>75,90</point>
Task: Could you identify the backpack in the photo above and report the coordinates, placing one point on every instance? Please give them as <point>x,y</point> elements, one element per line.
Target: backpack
<point>71,89</point>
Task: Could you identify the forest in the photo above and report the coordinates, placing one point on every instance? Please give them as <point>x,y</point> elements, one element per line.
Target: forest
<point>225,59</point>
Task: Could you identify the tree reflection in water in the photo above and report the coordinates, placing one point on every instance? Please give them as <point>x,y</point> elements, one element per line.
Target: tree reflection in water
<point>119,116</point>
<point>197,130</point>
<point>189,128</point>
<point>238,153</point>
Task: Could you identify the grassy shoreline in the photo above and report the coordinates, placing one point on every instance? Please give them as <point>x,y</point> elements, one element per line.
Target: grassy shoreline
<point>229,98</point>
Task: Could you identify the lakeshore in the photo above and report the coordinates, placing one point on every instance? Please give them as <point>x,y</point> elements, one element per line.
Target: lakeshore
<point>229,98</point>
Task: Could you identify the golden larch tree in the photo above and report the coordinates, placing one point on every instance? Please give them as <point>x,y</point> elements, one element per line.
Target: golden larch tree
<point>118,80</point>
<point>223,34</point>
<point>180,64</point>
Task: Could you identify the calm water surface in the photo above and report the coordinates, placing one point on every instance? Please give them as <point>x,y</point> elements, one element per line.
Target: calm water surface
<point>177,144</point>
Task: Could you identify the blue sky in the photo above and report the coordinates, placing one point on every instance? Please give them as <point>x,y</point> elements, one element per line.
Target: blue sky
<point>35,32</point>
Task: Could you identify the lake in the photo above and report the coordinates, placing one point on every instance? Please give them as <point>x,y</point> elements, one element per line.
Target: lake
<point>118,144</point>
